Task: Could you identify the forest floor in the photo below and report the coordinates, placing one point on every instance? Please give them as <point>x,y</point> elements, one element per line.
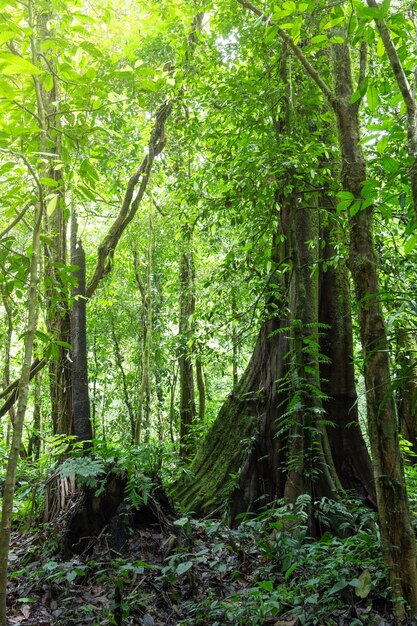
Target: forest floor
<point>169,572</point>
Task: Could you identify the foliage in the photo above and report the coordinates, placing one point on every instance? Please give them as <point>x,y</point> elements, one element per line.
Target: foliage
<point>268,568</point>
<point>247,130</point>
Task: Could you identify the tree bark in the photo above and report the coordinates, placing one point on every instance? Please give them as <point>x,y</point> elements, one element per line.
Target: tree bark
<point>310,470</point>
<point>199,372</point>
<point>337,374</point>
<point>34,447</point>
<point>81,419</point>
<point>58,315</point>
<point>406,357</point>
<point>145,288</point>
<point>126,392</point>
<point>187,408</point>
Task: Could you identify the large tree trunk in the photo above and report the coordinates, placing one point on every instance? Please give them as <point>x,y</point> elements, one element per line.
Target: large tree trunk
<point>349,452</point>
<point>228,443</point>
<point>247,446</point>
<point>56,292</point>
<point>310,465</point>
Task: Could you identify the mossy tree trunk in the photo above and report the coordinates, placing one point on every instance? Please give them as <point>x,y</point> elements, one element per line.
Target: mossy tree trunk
<point>337,374</point>
<point>248,445</point>
<point>56,291</point>
<point>227,445</point>
<point>310,465</point>
<point>7,352</point>
<point>34,446</point>
<point>199,372</point>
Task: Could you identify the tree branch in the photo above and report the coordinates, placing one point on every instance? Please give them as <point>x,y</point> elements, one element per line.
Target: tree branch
<point>16,220</point>
<point>130,203</point>
<point>394,59</point>
<point>13,388</point>
<point>309,69</point>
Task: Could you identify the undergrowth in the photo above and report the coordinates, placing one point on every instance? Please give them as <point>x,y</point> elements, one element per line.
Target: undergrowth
<point>267,569</point>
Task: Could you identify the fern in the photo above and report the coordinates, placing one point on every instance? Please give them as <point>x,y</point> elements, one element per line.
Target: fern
<point>86,470</point>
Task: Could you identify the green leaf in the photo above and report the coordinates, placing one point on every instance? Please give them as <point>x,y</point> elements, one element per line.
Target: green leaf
<point>319,39</point>
<point>49,182</point>
<point>293,567</point>
<point>334,22</point>
<point>410,244</point>
<point>11,65</point>
<point>267,585</point>
<point>390,164</point>
<point>184,567</point>
<point>402,199</point>
<point>372,97</point>
<point>363,584</point>
<point>345,195</point>
<point>71,576</point>
<point>382,144</point>
<point>359,92</point>
<point>380,48</point>
<point>384,8</point>
<point>51,206</point>
<point>6,36</point>
<point>338,587</point>
<point>355,208</point>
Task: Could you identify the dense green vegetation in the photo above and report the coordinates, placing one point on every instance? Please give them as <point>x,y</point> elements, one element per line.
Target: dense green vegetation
<point>208,322</point>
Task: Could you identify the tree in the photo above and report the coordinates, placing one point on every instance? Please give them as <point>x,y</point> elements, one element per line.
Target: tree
<point>288,440</point>
<point>389,479</point>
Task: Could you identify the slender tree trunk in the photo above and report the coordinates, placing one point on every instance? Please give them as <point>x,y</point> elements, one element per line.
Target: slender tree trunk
<point>185,361</point>
<point>10,479</point>
<point>172,391</point>
<point>34,447</point>
<point>394,517</point>
<point>199,372</point>
<point>406,357</point>
<point>145,288</point>
<point>8,346</point>
<point>80,393</point>
<point>126,393</point>
<point>235,341</point>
